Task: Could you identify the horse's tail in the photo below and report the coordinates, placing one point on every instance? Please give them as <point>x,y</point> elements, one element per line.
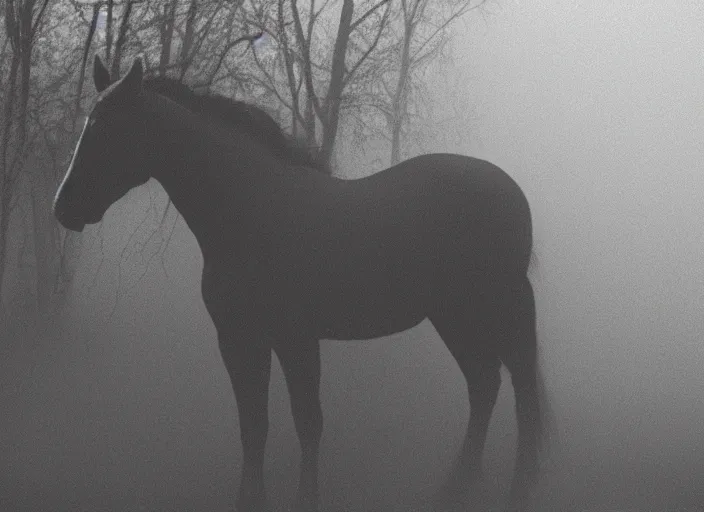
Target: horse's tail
<point>547,438</point>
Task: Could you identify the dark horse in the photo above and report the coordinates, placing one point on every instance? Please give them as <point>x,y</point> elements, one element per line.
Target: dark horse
<point>293,255</point>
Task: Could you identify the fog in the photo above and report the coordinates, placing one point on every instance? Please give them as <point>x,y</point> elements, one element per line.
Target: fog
<point>596,110</point>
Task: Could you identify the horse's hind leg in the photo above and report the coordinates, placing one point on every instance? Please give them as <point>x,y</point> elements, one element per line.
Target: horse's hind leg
<point>519,354</point>
<point>248,365</point>
<point>300,362</point>
<point>470,338</point>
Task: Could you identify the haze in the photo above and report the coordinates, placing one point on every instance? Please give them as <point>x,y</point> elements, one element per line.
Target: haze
<point>595,108</point>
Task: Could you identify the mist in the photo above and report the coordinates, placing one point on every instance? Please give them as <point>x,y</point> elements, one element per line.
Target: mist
<point>596,111</point>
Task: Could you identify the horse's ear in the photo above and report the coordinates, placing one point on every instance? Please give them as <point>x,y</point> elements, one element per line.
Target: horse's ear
<point>101,75</point>
<point>133,79</point>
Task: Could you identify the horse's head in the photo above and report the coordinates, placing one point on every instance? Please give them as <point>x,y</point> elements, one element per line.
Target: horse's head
<point>109,158</point>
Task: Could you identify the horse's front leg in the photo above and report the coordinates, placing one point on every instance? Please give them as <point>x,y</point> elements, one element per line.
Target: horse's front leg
<point>300,361</point>
<point>248,362</point>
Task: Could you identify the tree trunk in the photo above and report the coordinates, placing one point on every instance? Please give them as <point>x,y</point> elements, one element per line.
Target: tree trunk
<point>121,39</point>
<point>290,74</point>
<point>82,71</point>
<point>45,253</point>
<point>400,98</point>
<point>167,35</point>
<point>108,30</point>
<point>333,98</point>
<point>188,38</point>
<point>7,180</point>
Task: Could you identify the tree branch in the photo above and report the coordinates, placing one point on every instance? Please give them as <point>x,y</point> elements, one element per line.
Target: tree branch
<point>364,16</point>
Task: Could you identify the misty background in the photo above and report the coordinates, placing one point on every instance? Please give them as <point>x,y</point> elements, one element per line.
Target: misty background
<point>121,402</point>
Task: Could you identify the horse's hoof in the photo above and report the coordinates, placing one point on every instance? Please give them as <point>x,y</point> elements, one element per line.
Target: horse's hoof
<point>457,489</point>
<point>306,503</point>
<point>521,493</point>
<point>459,481</point>
<point>452,495</point>
<point>305,507</point>
<point>523,486</point>
<point>443,501</point>
<point>252,504</point>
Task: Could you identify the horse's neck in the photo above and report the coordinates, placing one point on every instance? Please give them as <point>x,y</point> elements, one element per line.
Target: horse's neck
<point>198,168</point>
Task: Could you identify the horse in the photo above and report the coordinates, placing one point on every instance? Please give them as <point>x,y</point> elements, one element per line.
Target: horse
<point>293,255</point>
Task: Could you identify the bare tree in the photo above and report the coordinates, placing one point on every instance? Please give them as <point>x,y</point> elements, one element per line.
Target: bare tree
<point>424,26</point>
<point>121,39</point>
<point>166,33</point>
<point>22,20</point>
<point>305,76</point>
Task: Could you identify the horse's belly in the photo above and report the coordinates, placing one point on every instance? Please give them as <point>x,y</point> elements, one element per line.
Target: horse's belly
<point>359,321</point>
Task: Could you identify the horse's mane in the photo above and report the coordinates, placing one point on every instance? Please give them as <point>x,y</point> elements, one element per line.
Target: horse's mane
<point>253,120</point>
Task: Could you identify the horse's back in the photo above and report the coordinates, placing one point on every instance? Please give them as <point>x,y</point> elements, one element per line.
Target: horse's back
<point>436,209</point>
<point>441,213</point>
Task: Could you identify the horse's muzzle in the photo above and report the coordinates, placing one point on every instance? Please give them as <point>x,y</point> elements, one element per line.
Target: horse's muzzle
<point>72,223</point>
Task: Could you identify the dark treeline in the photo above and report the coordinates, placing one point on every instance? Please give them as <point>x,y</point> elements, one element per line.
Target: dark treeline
<point>317,68</point>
